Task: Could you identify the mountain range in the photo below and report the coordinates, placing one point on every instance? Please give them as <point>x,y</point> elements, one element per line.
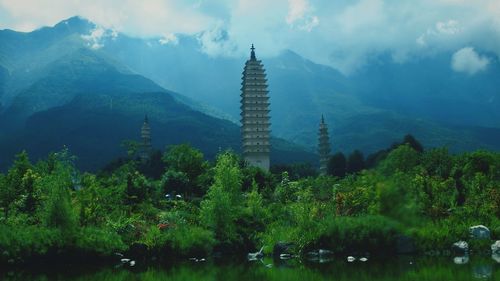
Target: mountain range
<point>58,92</point>
<point>80,85</point>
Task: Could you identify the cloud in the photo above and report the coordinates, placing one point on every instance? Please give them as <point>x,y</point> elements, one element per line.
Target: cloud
<point>466,60</point>
<point>344,34</point>
<point>170,38</point>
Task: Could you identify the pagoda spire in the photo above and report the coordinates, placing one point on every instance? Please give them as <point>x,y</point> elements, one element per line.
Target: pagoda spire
<point>255,120</point>
<point>323,146</point>
<point>146,147</point>
<point>252,53</point>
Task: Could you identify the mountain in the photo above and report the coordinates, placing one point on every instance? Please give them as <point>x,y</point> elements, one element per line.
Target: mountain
<point>423,96</point>
<point>82,98</point>
<point>62,69</point>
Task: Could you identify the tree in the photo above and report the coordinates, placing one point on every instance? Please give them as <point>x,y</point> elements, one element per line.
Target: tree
<point>355,162</point>
<point>188,161</point>
<point>221,206</point>
<point>413,143</point>
<point>13,185</point>
<point>403,159</point>
<point>337,165</point>
<point>438,162</point>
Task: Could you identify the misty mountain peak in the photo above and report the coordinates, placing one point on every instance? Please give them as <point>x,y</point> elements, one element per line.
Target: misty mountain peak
<point>75,24</point>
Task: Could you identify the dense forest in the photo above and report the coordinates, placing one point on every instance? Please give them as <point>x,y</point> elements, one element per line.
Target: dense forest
<point>179,205</point>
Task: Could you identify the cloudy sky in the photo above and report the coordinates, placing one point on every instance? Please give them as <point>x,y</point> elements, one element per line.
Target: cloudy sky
<point>345,34</point>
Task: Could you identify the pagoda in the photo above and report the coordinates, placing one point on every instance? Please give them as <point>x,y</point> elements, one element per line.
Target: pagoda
<point>323,147</point>
<point>146,148</point>
<point>255,121</point>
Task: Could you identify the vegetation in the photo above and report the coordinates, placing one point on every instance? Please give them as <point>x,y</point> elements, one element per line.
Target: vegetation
<point>194,207</point>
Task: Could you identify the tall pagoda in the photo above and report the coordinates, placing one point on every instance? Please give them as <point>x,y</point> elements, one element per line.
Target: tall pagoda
<point>255,121</point>
<point>323,147</point>
<point>146,147</point>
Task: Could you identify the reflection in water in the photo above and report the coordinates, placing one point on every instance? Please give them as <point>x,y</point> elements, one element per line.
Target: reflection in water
<point>372,270</point>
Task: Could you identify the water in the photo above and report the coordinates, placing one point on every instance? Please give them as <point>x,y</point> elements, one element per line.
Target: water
<point>421,269</point>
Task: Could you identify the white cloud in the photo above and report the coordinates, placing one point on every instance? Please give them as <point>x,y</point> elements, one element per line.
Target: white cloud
<point>468,61</point>
<point>216,41</point>
<point>169,38</point>
<point>344,34</point>
<point>449,27</point>
<point>96,37</point>
<point>296,10</point>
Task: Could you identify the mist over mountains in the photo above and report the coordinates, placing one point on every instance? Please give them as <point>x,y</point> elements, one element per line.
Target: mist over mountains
<point>80,85</point>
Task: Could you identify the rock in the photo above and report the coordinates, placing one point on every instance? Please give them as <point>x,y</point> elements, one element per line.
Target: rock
<point>132,263</point>
<point>285,256</point>
<point>125,260</point>
<point>460,248</point>
<point>496,257</point>
<point>256,256</point>
<point>495,247</point>
<point>363,259</point>
<point>461,260</point>
<point>351,259</point>
<point>281,248</point>
<point>479,232</point>
<point>405,245</point>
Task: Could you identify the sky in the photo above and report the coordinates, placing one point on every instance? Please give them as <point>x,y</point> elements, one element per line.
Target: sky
<point>345,34</point>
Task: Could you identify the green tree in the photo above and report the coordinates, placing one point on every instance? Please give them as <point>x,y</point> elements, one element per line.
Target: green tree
<point>413,143</point>
<point>221,206</point>
<point>58,211</point>
<point>13,185</point>
<point>186,160</point>
<point>337,165</point>
<point>438,162</point>
<point>355,162</point>
<point>402,159</point>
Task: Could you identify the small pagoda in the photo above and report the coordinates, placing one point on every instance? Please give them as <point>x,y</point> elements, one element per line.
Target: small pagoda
<point>323,146</point>
<point>146,147</point>
<point>255,120</point>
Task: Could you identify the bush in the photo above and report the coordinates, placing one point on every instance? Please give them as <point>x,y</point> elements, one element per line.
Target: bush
<point>24,242</point>
<point>191,240</point>
<point>439,236</point>
<point>372,234</point>
<point>99,241</point>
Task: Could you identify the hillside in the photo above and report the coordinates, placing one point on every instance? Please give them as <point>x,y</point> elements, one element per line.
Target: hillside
<point>90,103</point>
<point>56,69</point>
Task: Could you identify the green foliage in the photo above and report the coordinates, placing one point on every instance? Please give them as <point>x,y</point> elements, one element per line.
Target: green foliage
<point>433,195</point>
<point>402,159</point>
<point>355,162</point>
<point>24,242</point>
<point>184,158</point>
<point>366,234</point>
<point>185,167</point>
<point>191,240</point>
<point>337,165</point>
<point>99,241</point>
<point>58,212</point>
<point>221,207</point>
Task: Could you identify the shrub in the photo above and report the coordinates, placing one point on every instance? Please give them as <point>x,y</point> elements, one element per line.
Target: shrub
<point>99,241</point>
<point>373,234</point>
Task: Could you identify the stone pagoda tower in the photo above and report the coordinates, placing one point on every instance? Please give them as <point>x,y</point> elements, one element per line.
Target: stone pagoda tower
<point>255,121</point>
<point>146,148</point>
<point>323,147</point>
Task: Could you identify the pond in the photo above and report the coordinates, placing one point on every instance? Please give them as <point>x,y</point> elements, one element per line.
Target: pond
<point>403,268</point>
